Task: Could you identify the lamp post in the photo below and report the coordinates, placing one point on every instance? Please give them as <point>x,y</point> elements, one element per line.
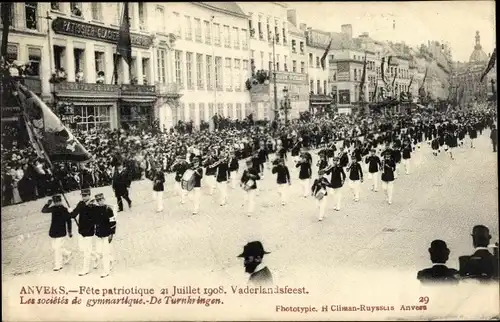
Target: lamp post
<point>285,104</point>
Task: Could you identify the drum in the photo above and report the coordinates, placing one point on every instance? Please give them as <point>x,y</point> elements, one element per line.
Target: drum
<point>248,185</point>
<point>321,193</point>
<point>187,181</point>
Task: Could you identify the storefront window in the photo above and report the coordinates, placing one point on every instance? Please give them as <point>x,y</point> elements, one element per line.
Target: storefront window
<point>134,115</point>
<point>89,117</point>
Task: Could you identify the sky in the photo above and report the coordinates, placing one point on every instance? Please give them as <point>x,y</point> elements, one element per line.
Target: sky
<point>416,22</point>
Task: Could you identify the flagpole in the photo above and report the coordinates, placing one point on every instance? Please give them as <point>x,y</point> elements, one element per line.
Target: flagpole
<point>115,61</point>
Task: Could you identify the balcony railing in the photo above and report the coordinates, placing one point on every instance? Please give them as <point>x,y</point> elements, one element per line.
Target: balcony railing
<point>168,89</point>
<point>135,89</point>
<point>86,87</point>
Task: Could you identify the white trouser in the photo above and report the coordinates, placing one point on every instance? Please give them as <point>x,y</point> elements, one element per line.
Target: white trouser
<point>182,192</point>
<point>234,179</point>
<point>211,183</point>
<point>222,187</point>
<point>337,197</point>
<point>406,164</point>
<point>306,186</point>
<point>88,253</point>
<point>374,176</point>
<point>59,251</point>
<point>250,201</point>
<point>388,189</point>
<point>104,250</point>
<point>355,186</point>
<point>196,199</point>
<point>322,206</point>
<point>158,196</point>
<point>282,192</point>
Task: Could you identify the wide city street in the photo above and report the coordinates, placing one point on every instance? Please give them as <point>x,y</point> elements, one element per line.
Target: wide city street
<point>368,253</point>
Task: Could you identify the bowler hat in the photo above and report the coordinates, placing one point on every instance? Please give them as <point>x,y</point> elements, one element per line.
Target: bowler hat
<point>56,198</point>
<point>85,192</point>
<point>481,231</point>
<point>254,248</point>
<point>438,244</point>
<point>99,196</point>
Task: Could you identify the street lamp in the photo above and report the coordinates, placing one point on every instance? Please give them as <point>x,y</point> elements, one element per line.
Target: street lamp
<point>285,104</point>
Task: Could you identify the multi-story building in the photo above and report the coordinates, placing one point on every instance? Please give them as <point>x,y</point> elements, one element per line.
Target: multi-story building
<point>77,42</point>
<point>211,60</point>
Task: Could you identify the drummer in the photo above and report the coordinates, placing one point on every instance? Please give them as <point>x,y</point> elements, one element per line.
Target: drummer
<point>196,181</point>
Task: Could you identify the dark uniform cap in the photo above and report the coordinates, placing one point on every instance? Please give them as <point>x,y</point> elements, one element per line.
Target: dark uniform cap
<point>85,192</point>
<point>99,196</point>
<point>57,198</point>
<point>254,248</point>
<point>481,231</point>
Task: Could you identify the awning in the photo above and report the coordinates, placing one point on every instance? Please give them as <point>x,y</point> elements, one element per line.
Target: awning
<point>321,102</point>
<point>144,100</point>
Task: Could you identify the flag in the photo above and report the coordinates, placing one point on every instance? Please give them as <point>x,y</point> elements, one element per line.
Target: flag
<point>362,84</point>
<point>421,90</point>
<point>392,84</point>
<point>382,69</point>
<point>491,63</point>
<point>374,97</point>
<point>48,135</point>
<point>6,20</point>
<point>411,82</point>
<point>124,41</point>
<point>323,58</point>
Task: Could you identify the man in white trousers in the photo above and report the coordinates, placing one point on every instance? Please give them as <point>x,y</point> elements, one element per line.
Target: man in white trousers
<point>336,182</point>
<point>248,182</point>
<point>374,165</point>
<point>196,192</point>
<point>234,166</point>
<point>282,179</point>
<point>319,190</point>
<point>223,176</point>
<point>388,177</point>
<point>407,149</point>
<point>355,177</point>
<point>105,230</point>
<point>158,187</point>
<point>305,173</point>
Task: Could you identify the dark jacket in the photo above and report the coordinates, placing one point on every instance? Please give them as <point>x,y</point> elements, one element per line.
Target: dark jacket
<point>482,265</point>
<point>105,221</point>
<point>198,175</point>
<point>374,163</point>
<point>179,170</point>
<point>283,174</point>
<point>407,151</point>
<point>493,135</point>
<point>263,155</point>
<point>234,165</point>
<point>250,174</point>
<point>223,173</point>
<point>262,277</point>
<point>61,220</point>
<point>121,181</point>
<point>438,273</point>
<point>318,184</point>
<point>210,169</point>
<point>344,159</point>
<point>355,172</point>
<point>305,171</point>
<point>388,170</point>
<point>158,181</point>
<point>338,177</point>
<point>86,213</point>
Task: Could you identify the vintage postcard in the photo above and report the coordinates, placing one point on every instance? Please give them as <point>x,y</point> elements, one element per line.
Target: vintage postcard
<point>167,161</point>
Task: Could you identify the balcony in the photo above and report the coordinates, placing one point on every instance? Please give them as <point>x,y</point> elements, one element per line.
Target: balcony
<point>168,90</point>
<point>129,89</point>
<point>88,91</point>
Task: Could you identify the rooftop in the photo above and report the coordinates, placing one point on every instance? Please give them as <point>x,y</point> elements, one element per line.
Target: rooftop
<point>228,7</point>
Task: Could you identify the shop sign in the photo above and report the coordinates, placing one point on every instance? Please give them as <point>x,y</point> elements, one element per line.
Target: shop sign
<point>89,31</point>
<point>290,78</point>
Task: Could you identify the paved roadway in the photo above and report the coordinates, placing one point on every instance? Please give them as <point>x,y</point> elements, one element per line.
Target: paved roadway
<point>369,251</point>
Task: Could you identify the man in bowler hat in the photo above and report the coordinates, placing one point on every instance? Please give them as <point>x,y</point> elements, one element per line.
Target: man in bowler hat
<point>439,272</point>
<point>121,184</point>
<point>253,254</point>
<point>482,264</point>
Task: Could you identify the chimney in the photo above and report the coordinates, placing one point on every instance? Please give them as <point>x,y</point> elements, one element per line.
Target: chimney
<point>292,16</point>
<point>347,30</point>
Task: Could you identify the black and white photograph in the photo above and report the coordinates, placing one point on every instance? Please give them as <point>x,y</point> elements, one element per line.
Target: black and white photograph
<point>232,161</point>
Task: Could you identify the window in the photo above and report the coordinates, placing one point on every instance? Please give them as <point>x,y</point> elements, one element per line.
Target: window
<point>189,28</point>
<point>118,14</point>
<point>236,38</point>
<point>311,86</point>
<point>208,34</point>
<point>239,112</point>
<point>355,74</point>
<point>294,46</point>
<point>302,67</point>
<point>217,34</point>
<point>284,33</point>
<point>261,60</point>
<point>237,74</point>
<point>209,65</point>
<point>270,62</point>
<point>277,63</point>
<point>90,117</point>
<point>318,87</point>
<point>245,68</point>
<point>161,62</point>
<point>227,37</point>
<point>199,71</point>
<point>227,71</point>
<point>192,112</point>
<point>324,87</point>
<point>218,73</point>
<point>99,61</point>
<point>178,69</point>
<point>247,109</point>
<point>197,30</point>
<point>142,15</point>
<point>35,58</point>
<point>189,70</point>
<point>317,62</point>
<point>250,26</point>
<point>294,66</point>
<point>177,23</point>
<point>211,110</point>
<point>220,109</point>
<point>181,112</point>
<point>76,9</point>
<point>160,15</point>
<point>31,15</point>
<point>259,28</point>
<point>311,59</point>
<point>55,6</point>
<point>201,111</point>
<point>244,39</point>
<point>96,8</point>
<point>230,110</point>
<point>302,48</point>
<point>285,63</point>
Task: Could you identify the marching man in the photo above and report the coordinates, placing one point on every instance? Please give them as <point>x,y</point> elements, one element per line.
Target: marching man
<point>388,168</point>
<point>319,188</point>
<point>336,182</point>
<point>355,177</point>
<point>60,226</point>
<point>179,167</point>
<point>407,149</point>
<point>374,165</point>
<point>223,175</point>
<point>158,187</point>
<point>198,175</point>
<point>249,183</point>
<point>305,173</point>
<point>210,170</point>
<point>105,230</point>
<point>282,178</point>
<point>234,166</point>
